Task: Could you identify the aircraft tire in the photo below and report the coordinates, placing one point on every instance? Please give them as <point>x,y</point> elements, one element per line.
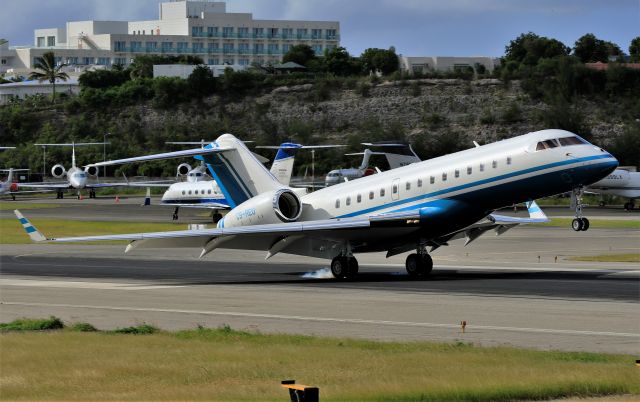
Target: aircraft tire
<point>339,267</point>
<point>427,264</point>
<point>352,267</point>
<point>576,225</point>
<point>601,204</point>
<point>585,224</point>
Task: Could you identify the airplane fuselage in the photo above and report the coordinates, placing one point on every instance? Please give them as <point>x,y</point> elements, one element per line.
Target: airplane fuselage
<point>200,192</point>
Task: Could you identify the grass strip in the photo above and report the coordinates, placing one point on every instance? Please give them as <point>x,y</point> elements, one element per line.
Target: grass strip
<point>225,364</point>
<point>11,232</point>
<point>632,257</point>
<point>595,223</point>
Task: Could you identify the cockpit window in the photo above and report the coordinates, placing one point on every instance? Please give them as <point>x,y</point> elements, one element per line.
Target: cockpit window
<point>566,141</point>
<point>548,144</point>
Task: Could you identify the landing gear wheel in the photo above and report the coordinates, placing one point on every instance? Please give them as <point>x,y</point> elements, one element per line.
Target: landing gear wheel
<point>344,267</point>
<point>216,217</point>
<point>175,214</point>
<point>418,265</point>
<point>601,204</point>
<point>576,224</point>
<point>585,224</point>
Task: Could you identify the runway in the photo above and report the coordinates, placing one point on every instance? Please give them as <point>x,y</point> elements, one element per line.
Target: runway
<point>521,288</point>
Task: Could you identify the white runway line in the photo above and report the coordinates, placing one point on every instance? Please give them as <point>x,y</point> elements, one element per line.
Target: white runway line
<point>337,320</point>
<point>82,285</point>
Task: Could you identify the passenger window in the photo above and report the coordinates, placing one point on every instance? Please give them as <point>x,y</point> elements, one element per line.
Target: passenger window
<point>457,173</point>
<point>408,187</point>
<point>382,192</point>
<point>348,200</point>
<point>482,167</point>
<point>183,192</point>
<point>444,177</point>
<point>189,192</point>
<point>469,170</point>
<point>359,199</point>
<point>209,191</point>
<point>494,164</point>
<point>509,160</point>
<point>371,195</point>
<point>395,189</point>
<point>432,180</point>
<point>419,182</point>
<point>337,204</point>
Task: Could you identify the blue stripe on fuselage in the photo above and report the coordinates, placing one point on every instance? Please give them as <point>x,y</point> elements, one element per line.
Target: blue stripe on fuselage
<point>473,184</point>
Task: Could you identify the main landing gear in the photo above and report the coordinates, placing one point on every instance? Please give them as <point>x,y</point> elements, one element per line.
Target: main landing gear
<point>344,267</point>
<point>629,206</point>
<point>59,195</point>
<point>580,223</point>
<point>92,194</point>
<point>175,214</point>
<point>419,264</point>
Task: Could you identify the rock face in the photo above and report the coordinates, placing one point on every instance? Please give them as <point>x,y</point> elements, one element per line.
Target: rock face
<point>482,110</point>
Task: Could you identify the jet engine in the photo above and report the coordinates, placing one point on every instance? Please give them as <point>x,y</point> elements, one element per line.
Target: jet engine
<point>183,169</point>
<point>272,207</point>
<point>91,171</point>
<point>58,171</point>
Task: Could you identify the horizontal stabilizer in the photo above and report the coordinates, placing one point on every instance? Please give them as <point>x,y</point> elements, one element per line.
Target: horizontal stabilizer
<point>166,155</point>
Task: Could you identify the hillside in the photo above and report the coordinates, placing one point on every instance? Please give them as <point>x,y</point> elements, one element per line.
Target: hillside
<point>435,115</point>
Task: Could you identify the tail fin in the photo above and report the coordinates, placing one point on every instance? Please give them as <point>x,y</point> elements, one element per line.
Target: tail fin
<point>147,198</point>
<point>29,228</point>
<point>282,167</point>
<point>10,177</point>
<point>239,174</point>
<point>535,212</point>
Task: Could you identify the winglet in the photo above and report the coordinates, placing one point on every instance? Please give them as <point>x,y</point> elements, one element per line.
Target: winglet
<point>535,212</point>
<point>29,228</point>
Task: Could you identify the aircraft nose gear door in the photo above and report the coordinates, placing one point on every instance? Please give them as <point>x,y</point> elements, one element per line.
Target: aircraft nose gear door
<point>580,223</point>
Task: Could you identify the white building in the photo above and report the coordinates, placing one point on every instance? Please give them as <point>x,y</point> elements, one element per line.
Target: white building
<point>25,89</point>
<point>439,63</point>
<point>201,28</point>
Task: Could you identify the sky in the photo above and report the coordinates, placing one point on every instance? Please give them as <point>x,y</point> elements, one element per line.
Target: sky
<point>413,27</point>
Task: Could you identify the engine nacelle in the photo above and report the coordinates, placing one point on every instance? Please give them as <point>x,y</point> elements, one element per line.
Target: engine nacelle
<point>91,171</point>
<point>58,171</point>
<point>272,207</point>
<point>183,169</point>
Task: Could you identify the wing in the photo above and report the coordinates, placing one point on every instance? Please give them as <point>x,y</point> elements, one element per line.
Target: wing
<point>318,238</point>
<point>203,205</point>
<point>44,186</point>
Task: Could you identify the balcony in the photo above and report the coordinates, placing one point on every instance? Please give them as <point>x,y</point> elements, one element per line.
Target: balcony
<point>236,35</point>
<point>192,50</point>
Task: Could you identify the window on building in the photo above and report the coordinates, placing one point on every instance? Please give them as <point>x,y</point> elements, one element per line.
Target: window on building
<point>40,41</point>
<point>196,31</point>
<point>119,45</point>
<point>87,60</point>
<point>151,45</point>
<point>213,62</point>
<point>74,60</point>
<point>287,33</point>
<point>243,47</point>
<point>243,62</point>
<point>166,46</point>
<point>285,48</point>
<point>469,170</point>
<point>359,198</point>
<point>316,33</point>
<point>273,32</point>
<point>419,182</point>
<point>258,48</point>
<point>229,61</point>
<point>243,32</point>
<point>331,34</point>
<point>371,195</point>
<point>317,49</point>
<point>198,47</point>
<point>302,33</point>
<point>227,47</point>
<point>51,41</point>
<point>227,32</point>
<point>258,32</point>
<point>444,177</point>
<point>494,164</point>
<point>274,48</point>
<point>337,204</point>
<point>212,32</point>
<point>104,61</point>
<point>382,192</point>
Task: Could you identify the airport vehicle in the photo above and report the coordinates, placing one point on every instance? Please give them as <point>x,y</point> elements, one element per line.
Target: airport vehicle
<point>77,178</point>
<point>422,205</point>
<point>620,182</point>
<point>397,155</point>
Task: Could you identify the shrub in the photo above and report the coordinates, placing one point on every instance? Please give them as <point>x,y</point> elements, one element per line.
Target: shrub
<point>83,327</point>
<point>143,329</point>
<point>512,114</point>
<point>24,324</point>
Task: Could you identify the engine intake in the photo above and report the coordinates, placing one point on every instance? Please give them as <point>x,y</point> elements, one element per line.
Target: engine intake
<point>58,171</point>
<point>183,169</point>
<point>277,206</point>
<point>287,205</point>
<point>91,171</point>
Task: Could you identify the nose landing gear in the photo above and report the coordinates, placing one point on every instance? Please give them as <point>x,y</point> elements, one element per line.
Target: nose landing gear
<point>579,223</point>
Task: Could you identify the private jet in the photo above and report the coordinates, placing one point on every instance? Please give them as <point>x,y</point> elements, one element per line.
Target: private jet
<point>420,207</point>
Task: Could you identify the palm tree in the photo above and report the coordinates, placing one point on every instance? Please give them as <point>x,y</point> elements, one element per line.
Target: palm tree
<point>48,71</point>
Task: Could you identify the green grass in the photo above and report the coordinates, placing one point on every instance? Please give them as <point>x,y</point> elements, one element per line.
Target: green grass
<point>632,257</point>
<point>143,329</point>
<point>595,223</point>
<point>224,364</point>
<point>11,232</point>
<point>10,206</point>
<point>25,324</point>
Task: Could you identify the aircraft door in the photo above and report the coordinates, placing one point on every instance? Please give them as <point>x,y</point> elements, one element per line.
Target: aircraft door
<point>395,189</point>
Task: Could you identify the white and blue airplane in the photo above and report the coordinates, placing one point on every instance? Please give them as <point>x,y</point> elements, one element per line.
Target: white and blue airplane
<point>420,206</point>
<point>620,182</point>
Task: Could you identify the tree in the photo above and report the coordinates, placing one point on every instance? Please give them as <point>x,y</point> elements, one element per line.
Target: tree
<point>634,49</point>
<point>300,54</point>
<point>339,62</point>
<point>590,49</point>
<point>49,71</point>
<point>385,61</point>
<point>529,48</point>
<point>201,81</point>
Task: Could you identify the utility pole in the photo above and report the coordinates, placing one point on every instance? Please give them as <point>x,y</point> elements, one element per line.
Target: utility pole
<point>104,153</point>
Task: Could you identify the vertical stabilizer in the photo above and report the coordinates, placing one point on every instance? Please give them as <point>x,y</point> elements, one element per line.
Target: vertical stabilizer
<point>237,171</point>
<point>282,167</point>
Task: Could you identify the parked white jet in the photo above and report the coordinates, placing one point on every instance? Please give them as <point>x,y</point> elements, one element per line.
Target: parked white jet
<point>9,187</point>
<point>425,204</point>
<point>397,155</point>
<point>620,182</point>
